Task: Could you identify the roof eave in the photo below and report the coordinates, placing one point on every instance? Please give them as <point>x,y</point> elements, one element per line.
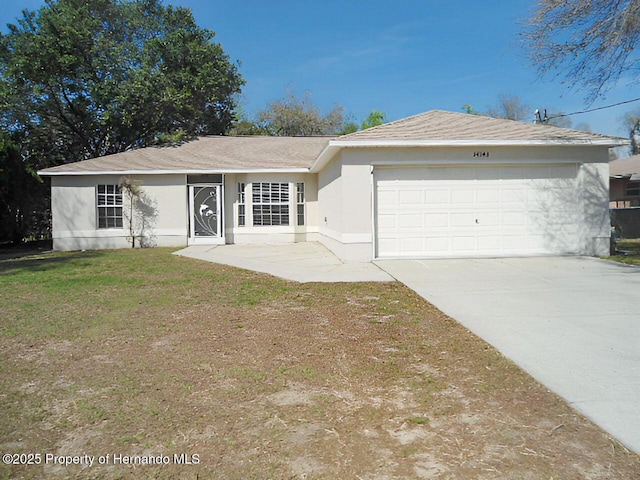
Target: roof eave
<point>45,173</point>
<point>326,156</point>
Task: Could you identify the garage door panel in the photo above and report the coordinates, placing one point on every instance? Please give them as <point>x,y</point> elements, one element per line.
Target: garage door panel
<point>462,211</point>
<point>514,219</point>
<point>436,220</point>
<point>411,197</point>
<point>412,244</point>
<point>512,195</point>
<point>514,242</point>
<point>488,196</point>
<point>463,219</point>
<point>388,245</point>
<point>491,219</point>
<point>387,198</point>
<point>437,196</point>
<point>436,244</point>
<point>460,196</point>
<point>490,243</point>
<point>463,244</point>
<point>410,221</point>
<point>387,222</point>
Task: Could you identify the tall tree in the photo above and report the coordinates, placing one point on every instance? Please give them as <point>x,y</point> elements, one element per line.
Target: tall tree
<point>292,116</point>
<point>83,79</point>
<point>631,122</point>
<point>510,107</point>
<point>591,43</point>
<point>23,205</point>
<point>374,119</point>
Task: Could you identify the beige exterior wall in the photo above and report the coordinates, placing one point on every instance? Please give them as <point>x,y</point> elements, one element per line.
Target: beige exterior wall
<point>593,183</point>
<point>248,233</point>
<point>339,208</point>
<point>73,203</point>
<point>163,219</point>
<point>346,189</point>
<point>345,208</point>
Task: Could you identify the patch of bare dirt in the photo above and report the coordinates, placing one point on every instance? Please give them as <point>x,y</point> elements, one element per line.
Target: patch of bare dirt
<point>324,381</point>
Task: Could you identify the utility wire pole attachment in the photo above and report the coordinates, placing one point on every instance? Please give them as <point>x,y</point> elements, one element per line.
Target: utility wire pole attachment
<point>541,117</point>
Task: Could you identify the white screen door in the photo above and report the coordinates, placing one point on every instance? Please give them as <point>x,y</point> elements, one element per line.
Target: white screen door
<point>205,205</point>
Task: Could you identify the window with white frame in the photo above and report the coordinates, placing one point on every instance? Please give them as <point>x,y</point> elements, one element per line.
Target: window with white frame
<point>241,205</point>
<point>300,202</point>
<point>270,203</point>
<point>109,206</point>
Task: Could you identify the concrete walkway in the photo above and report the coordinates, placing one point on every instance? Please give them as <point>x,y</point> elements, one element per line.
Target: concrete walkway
<point>573,323</point>
<point>300,262</point>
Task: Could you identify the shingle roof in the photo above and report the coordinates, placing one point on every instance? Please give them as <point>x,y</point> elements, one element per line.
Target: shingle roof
<point>211,154</point>
<point>625,166</point>
<point>217,154</point>
<point>438,125</point>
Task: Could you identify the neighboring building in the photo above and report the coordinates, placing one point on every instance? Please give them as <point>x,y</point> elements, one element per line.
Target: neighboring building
<point>624,182</point>
<point>438,184</point>
<point>624,185</point>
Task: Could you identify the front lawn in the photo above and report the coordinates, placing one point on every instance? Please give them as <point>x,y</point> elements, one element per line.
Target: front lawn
<point>208,371</point>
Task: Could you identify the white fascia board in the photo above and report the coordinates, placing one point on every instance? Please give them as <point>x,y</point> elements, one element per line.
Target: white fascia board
<point>43,173</point>
<point>477,143</point>
<point>326,155</point>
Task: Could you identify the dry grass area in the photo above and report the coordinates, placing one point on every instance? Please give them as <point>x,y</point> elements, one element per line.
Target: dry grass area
<point>140,354</point>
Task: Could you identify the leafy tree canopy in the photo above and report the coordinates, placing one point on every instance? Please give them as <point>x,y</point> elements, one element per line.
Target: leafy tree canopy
<point>374,119</point>
<point>23,206</point>
<point>83,79</point>
<point>293,116</point>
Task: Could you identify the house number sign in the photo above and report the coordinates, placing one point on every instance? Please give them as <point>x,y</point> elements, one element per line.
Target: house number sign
<point>481,154</point>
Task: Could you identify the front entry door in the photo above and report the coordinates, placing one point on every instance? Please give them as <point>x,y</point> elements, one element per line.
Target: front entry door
<point>205,205</point>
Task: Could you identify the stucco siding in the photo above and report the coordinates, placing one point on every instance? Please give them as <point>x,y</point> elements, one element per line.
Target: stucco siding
<point>593,181</point>
<point>159,220</point>
<point>249,233</point>
<point>474,155</point>
<point>345,215</point>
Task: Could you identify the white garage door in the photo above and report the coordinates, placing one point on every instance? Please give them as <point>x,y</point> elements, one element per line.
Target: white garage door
<point>476,211</point>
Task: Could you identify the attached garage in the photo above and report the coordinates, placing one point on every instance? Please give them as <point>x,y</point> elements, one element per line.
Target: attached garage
<point>483,210</point>
<point>444,184</point>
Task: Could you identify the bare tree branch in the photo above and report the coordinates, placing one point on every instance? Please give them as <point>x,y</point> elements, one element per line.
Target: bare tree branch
<point>590,43</point>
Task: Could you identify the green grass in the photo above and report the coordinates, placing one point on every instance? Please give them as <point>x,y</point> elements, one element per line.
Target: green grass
<point>419,420</point>
<point>117,284</point>
<point>629,251</point>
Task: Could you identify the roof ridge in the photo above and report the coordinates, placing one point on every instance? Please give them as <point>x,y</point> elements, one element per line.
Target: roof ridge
<point>443,124</point>
<point>394,122</point>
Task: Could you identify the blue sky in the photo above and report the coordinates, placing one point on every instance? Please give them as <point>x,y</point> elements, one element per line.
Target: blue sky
<point>402,57</point>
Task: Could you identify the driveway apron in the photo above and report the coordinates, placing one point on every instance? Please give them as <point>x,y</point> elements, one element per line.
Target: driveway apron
<point>573,323</point>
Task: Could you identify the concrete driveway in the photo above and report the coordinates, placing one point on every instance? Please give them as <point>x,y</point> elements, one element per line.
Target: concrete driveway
<point>573,323</point>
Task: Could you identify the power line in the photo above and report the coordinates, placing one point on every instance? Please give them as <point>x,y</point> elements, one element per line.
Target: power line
<point>593,109</point>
